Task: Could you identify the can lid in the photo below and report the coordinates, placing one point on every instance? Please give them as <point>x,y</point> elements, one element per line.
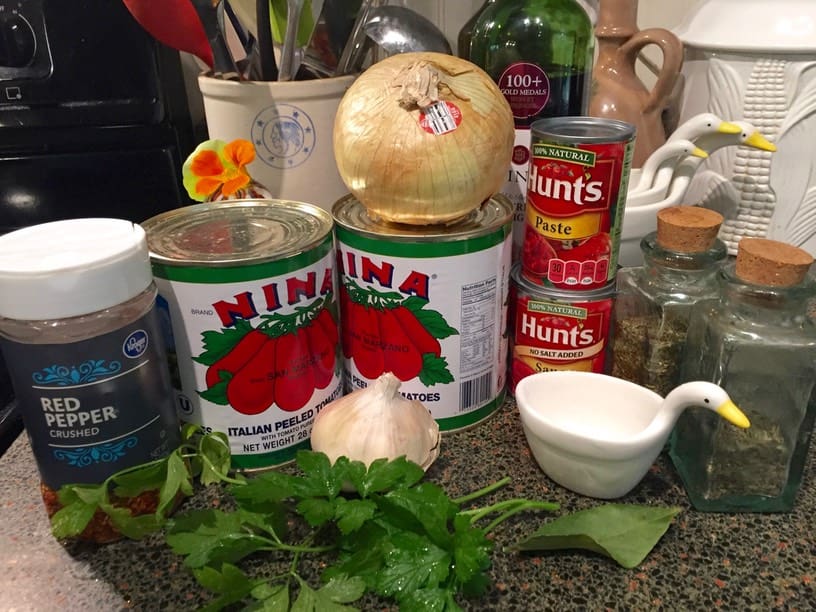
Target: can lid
<point>235,232</point>
<point>73,267</point>
<point>494,213</point>
<point>771,263</point>
<point>687,229</point>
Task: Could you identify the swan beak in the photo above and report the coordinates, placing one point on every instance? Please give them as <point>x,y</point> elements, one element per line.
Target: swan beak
<point>729,411</point>
<point>698,152</point>
<point>726,127</point>
<point>758,141</point>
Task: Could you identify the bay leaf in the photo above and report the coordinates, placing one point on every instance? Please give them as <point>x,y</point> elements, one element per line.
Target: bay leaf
<point>625,532</point>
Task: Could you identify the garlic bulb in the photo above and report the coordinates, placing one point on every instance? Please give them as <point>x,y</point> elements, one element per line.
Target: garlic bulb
<point>423,138</point>
<point>377,422</point>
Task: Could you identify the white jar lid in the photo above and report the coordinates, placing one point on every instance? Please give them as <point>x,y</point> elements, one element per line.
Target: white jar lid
<point>70,268</point>
<point>781,26</point>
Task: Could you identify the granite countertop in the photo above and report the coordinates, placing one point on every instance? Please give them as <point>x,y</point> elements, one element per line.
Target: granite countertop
<point>705,561</point>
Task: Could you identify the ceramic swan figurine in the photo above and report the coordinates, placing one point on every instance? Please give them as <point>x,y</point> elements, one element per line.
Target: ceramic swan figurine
<point>675,190</point>
<point>664,159</point>
<point>693,129</point>
<point>749,137</point>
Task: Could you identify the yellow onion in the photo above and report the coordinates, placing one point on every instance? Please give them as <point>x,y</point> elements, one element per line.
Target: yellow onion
<point>404,173</point>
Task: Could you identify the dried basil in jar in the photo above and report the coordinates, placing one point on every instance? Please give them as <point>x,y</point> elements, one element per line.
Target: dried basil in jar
<point>654,301</point>
<point>758,342</point>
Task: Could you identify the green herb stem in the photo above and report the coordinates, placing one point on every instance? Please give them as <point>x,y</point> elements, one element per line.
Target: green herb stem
<point>224,477</point>
<point>508,508</point>
<point>521,507</point>
<point>482,492</point>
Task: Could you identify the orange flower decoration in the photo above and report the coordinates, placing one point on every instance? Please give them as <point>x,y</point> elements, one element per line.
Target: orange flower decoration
<point>216,165</point>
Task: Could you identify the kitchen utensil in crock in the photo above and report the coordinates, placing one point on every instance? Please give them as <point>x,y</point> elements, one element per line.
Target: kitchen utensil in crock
<point>397,29</point>
<point>223,63</point>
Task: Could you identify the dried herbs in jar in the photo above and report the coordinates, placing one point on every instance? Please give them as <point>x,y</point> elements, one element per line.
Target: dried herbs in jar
<point>758,342</point>
<point>654,301</point>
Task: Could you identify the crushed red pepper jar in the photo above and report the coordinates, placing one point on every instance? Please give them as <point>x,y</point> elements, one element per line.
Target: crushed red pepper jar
<point>81,336</point>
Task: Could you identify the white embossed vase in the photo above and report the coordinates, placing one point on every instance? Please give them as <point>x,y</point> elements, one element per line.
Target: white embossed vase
<point>755,61</point>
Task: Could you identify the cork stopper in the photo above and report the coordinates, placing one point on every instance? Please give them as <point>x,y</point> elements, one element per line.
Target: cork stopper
<point>771,263</point>
<point>687,229</point>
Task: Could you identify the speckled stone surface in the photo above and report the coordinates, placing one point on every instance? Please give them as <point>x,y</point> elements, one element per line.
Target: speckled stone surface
<point>705,561</point>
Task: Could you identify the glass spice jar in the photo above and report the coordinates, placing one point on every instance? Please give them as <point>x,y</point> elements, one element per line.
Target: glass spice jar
<point>654,301</point>
<point>82,339</point>
<point>758,342</point>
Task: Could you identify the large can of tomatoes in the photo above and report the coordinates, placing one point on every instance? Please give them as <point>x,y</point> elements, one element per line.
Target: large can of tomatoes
<point>576,195</point>
<point>428,303</point>
<point>557,329</point>
<point>247,287</point>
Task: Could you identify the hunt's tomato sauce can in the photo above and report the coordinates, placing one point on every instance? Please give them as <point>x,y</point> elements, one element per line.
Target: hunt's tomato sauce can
<point>576,195</point>
<point>429,304</point>
<point>556,329</point>
<point>247,290</point>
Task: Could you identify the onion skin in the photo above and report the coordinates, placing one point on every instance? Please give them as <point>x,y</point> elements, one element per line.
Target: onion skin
<point>404,174</point>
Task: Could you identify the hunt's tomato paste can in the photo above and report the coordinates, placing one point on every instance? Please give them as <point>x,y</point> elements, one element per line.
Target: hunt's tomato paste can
<point>557,329</point>
<point>429,304</point>
<point>247,288</point>
<point>576,195</point>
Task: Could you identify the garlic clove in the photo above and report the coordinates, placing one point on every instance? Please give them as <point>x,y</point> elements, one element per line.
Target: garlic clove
<point>377,422</point>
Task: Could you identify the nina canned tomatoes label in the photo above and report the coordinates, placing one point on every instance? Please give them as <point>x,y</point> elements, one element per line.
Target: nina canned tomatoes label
<point>553,329</point>
<point>247,289</point>
<point>576,194</point>
<point>428,304</point>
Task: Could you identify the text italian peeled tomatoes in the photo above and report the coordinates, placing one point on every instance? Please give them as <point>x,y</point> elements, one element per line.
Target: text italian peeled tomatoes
<point>280,362</point>
<point>387,332</point>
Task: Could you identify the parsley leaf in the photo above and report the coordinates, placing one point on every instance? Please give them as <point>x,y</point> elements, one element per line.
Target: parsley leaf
<point>211,536</point>
<point>230,583</point>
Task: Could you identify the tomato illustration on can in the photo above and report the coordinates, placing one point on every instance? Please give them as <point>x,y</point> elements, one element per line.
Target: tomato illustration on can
<point>429,304</point>
<point>576,194</point>
<point>391,332</point>
<point>555,329</point>
<point>280,362</point>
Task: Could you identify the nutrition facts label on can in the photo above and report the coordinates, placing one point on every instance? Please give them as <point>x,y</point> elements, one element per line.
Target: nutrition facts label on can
<point>478,327</point>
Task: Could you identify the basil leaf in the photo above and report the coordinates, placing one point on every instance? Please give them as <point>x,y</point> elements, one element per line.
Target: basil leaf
<point>147,478</point>
<point>216,450</point>
<point>178,480</point>
<point>624,532</point>
<point>72,519</point>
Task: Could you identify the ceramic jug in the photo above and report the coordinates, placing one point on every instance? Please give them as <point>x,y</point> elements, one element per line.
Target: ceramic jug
<point>755,61</point>
<point>618,93</point>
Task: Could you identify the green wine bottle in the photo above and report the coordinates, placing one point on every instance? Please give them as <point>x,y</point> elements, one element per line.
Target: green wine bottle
<point>466,33</point>
<point>540,54</point>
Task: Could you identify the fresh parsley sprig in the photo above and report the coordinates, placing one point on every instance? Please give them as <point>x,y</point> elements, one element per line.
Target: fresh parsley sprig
<point>380,530</point>
<point>390,533</point>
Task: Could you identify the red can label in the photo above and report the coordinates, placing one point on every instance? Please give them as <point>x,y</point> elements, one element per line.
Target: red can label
<point>575,200</point>
<point>550,332</point>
